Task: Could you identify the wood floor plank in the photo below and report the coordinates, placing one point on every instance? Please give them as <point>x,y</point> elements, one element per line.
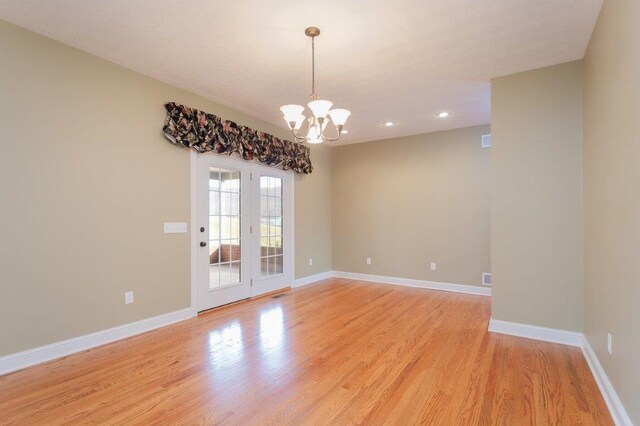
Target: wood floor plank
<point>337,352</point>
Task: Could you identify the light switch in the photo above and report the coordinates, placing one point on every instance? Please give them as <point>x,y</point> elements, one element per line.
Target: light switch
<point>175,228</point>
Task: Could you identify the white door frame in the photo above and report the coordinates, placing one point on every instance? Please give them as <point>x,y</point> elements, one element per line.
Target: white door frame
<point>193,228</point>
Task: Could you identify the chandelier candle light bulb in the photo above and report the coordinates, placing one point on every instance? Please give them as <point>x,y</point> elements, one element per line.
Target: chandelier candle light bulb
<point>320,109</point>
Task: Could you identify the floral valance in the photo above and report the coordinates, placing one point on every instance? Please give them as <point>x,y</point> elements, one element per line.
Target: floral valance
<point>206,132</point>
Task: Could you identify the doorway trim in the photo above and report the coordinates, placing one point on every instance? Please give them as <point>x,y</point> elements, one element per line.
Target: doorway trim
<point>193,225</point>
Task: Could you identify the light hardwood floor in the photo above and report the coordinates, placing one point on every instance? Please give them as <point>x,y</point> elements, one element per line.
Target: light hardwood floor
<point>336,352</point>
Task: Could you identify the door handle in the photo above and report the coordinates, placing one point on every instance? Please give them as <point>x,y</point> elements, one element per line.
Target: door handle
<point>203,244</point>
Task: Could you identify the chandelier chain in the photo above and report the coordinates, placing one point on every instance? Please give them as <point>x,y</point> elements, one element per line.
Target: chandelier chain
<point>313,95</point>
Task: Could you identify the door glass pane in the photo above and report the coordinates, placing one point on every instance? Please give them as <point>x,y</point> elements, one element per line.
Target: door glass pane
<point>225,275</point>
<point>214,227</point>
<point>214,179</point>
<point>235,271</point>
<point>264,204</point>
<point>271,226</point>
<point>278,264</point>
<point>234,227</point>
<point>225,203</point>
<point>234,252</point>
<point>224,227</point>
<point>214,202</point>
<point>234,182</point>
<point>277,245</point>
<point>214,252</point>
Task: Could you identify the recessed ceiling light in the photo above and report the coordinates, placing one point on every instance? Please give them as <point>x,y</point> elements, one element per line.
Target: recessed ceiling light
<point>389,123</point>
<point>443,114</point>
<point>344,131</point>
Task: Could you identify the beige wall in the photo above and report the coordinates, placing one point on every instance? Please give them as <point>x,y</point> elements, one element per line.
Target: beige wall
<point>86,181</point>
<point>410,201</point>
<point>313,215</point>
<point>612,196</point>
<point>536,219</point>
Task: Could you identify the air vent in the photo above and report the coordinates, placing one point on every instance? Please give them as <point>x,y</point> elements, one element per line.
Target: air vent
<point>486,278</point>
<point>486,141</point>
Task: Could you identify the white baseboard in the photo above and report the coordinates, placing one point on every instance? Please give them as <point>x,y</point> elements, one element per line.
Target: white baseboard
<point>312,278</point>
<point>618,413</point>
<point>409,282</point>
<point>20,360</point>
<point>535,332</point>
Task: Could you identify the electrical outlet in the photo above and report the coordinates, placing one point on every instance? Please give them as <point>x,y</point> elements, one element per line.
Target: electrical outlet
<point>310,262</point>
<point>368,261</point>
<point>128,297</point>
<point>433,266</point>
<point>609,344</point>
<point>486,279</point>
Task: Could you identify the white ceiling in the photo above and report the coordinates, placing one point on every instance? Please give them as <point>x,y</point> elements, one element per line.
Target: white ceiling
<point>398,60</point>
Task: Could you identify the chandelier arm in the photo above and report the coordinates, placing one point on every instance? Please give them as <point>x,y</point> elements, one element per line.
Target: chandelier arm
<point>332,139</point>
<point>298,138</point>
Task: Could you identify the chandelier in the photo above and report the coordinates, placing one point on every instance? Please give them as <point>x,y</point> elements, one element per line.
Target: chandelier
<point>320,108</point>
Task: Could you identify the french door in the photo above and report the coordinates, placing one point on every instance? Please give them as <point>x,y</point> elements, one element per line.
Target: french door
<point>245,227</point>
